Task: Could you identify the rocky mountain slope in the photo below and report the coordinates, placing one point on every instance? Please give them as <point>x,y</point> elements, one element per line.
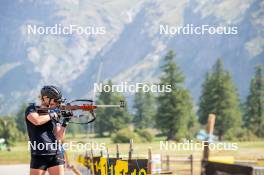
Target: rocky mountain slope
<point>131,47</point>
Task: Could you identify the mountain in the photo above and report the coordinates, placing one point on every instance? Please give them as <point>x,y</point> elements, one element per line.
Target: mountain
<point>125,40</point>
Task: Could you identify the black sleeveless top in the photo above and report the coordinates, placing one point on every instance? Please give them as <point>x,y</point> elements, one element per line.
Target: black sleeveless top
<point>42,140</point>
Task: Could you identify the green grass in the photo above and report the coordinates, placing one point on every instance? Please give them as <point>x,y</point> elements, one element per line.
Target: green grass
<point>17,155</point>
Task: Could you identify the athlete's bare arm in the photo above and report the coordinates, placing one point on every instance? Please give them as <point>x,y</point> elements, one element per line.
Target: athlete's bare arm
<point>59,132</point>
<point>37,119</point>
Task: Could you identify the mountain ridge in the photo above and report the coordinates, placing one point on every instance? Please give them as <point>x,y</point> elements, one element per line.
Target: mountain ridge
<point>132,48</point>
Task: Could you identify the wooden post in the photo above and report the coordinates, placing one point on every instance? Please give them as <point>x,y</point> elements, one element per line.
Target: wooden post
<point>168,163</point>
<point>191,160</point>
<point>149,169</point>
<point>117,151</point>
<point>130,149</point>
<point>210,130</point>
<point>210,124</point>
<point>206,151</point>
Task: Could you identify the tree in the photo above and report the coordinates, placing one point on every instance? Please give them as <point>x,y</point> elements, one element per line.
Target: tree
<point>111,120</point>
<point>219,96</point>
<point>9,130</point>
<point>254,106</point>
<point>175,109</point>
<point>20,119</point>
<point>145,110</point>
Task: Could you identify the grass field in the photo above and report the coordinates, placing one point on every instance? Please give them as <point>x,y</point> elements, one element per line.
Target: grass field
<point>246,150</point>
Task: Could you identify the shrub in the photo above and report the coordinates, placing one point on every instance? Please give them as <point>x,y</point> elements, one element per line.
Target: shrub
<point>124,136</point>
<point>145,135</point>
<point>240,135</point>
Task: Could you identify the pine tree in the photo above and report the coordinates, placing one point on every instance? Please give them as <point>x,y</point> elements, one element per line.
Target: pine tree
<point>174,112</point>
<point>254,107</point>
<point>111,120</point>
<point>219,96</point>
<point>144,105</point>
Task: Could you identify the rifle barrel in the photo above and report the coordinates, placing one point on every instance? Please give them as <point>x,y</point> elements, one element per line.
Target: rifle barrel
<point>108,106</point>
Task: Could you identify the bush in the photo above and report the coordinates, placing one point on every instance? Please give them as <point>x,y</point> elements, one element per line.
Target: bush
<point>124,136</point>
<point>240,134</point>
<point>145,135</point>
<point>246,135</point>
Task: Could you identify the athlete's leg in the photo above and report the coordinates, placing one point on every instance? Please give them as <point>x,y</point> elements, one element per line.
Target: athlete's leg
<point>56,170</point>
<point>38,165</point>
<point>37,171</point>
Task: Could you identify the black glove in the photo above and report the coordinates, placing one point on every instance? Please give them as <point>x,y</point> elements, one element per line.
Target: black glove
<point>66,118</point>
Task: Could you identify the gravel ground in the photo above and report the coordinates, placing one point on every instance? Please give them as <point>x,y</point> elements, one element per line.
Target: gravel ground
<point>21,169</point>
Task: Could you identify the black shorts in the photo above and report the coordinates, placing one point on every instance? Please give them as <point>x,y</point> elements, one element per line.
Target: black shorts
<point>44,162</point>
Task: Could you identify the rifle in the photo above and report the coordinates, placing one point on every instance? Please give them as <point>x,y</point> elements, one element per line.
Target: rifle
<point>83,108</point>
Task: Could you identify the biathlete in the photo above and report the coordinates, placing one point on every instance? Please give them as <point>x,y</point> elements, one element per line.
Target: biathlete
<point>45,132</point>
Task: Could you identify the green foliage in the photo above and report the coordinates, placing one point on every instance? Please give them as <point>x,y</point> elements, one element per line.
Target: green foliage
<point>8,130</point>
<point>175,109</point>
<point>240,134</point>
<point>111,120</point>
<point>219,96</point>
<point>138,135</point>
<point>254,106</point>
<point>145,135</point>
<point>144,105</point>
<point>124,135</point>
<point>1,127</point>
<point>20,119</point>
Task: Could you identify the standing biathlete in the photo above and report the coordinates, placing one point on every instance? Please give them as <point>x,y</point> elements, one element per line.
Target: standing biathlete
<point>45,133</point>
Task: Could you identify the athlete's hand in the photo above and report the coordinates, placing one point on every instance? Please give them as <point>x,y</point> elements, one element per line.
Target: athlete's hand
<point>66,118</point>
<point>54,114</point>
